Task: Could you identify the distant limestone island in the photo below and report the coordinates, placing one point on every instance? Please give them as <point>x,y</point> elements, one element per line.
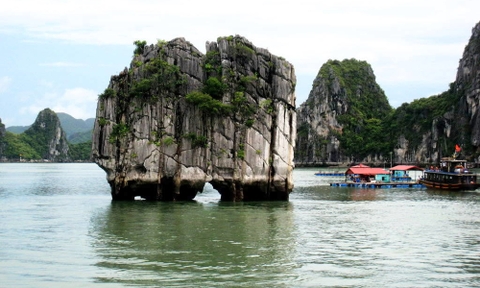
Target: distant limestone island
<point>347,118</point>
<point>53,137</point>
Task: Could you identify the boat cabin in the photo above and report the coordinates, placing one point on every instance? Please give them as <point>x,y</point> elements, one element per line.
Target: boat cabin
<point>451,175</point>
<point>451,165</point>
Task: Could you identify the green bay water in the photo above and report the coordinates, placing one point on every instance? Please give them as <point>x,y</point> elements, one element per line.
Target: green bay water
<point>59,228</point>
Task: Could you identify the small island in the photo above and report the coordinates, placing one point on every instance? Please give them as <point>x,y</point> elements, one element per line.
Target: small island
<point>177,119</point>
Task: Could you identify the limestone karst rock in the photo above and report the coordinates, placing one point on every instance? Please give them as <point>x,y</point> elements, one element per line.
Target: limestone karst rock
<point>468,82</point>
<point>178,118</point>
<point>456,117</point>
<point>48,137</point>
<point>419,132</point>
<point>344,97</point>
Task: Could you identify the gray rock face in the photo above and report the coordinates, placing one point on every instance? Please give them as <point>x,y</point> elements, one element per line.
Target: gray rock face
<point>177,119</point>
<point>48,133</point>
<point>468,82</point>
<point>460,123</point>
<point>318,124</point>
<point>332,95</point>
<point>317,118</point>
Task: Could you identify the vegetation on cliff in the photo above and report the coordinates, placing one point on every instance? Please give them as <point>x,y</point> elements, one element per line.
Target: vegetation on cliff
<point>416,119</point>
<point>369,127</point>
<point>363,130</point>
<point>80,151</point>
<point>346,104</point>
<point>24,147</point>
<point>222,94</point>
<point>44,140</point>
<point>366,100</point>
<point>18,147</point>
<point>176,118</point>
<point>434,125</point>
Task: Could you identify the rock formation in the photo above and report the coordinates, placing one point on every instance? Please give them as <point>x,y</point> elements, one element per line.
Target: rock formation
<point>178,118</point>
<point>343,98</point>
<point>468,83</point>
<point>458,123</point>
<point>48,138</point>
<point>419,132</point>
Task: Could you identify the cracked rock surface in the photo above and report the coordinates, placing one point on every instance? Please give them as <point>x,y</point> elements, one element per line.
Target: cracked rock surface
<point>178,118</point>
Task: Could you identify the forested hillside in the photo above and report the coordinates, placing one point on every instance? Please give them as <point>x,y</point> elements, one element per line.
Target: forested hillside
<point>343,116</point>
<point>346,117</point>
<point>44,140</point>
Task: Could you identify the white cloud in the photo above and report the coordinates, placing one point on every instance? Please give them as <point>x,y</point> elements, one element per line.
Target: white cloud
<point>78,102</point>
<point>4,83</point>
<point>405,41</point>
<point>86,21</point>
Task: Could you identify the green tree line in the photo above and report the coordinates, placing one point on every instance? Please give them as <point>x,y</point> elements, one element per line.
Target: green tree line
<point>31,146</point>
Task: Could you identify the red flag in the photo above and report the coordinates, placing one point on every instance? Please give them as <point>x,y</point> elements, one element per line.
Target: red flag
<point>457,148</point>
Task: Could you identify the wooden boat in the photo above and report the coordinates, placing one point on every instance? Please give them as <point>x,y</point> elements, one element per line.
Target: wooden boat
<point>451,175</point>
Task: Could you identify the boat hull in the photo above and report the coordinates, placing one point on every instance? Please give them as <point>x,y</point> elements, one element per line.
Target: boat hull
<point>449,186</point>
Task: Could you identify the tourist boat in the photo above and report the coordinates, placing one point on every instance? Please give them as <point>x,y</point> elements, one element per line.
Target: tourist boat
<point>451,175</point>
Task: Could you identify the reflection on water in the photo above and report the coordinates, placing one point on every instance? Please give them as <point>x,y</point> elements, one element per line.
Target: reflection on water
<point>175,244</point>
<point>365,194</point>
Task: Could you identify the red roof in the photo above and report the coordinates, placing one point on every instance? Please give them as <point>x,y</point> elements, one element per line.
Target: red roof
<point>366,171</point>
<point>360,166</point>
<point>405,168</point>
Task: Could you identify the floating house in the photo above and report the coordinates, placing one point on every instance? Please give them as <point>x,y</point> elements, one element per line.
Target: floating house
<point>365,174</point>
<point>362,176</point>
<point>406,173</point>
<point>338,173</point>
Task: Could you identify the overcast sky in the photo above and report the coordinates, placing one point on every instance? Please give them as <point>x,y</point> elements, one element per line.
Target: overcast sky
<point>60,54</point>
